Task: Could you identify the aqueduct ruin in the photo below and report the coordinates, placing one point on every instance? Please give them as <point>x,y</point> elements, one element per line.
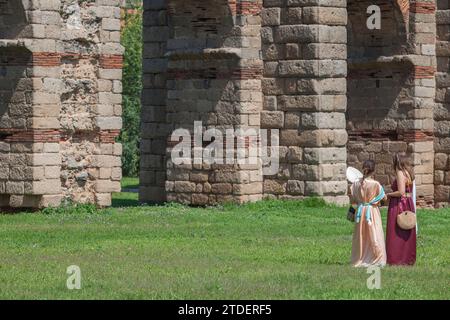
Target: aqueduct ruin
<point>60,107</point>
<point>337,91</point>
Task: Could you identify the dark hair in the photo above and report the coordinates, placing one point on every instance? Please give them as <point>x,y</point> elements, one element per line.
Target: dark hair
<point>368,168</point>
<point>402,163</point>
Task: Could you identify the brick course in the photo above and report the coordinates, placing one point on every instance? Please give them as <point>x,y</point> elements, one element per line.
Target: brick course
<point>338,92</point>
<point>51,135</point>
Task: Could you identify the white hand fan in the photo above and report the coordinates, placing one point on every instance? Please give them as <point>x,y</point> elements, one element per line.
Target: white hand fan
<point>353,174</point>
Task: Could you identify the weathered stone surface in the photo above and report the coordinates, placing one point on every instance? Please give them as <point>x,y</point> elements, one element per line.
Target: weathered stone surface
<point>63,72</point>
<point>338,92</point>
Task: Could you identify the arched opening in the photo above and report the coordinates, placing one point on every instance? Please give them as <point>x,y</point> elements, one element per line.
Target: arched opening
<point>13,19</point>
<point>379,84</point>
<point>365,43</point>
<point>15,110</point>
<point>203,62</point>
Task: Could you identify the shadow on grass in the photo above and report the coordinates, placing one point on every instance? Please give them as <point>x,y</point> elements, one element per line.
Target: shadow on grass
<point>7,210</point>
<point>120,203</point>
<point>125,199</point>
<point>130,183</point>
<point>130,200</point>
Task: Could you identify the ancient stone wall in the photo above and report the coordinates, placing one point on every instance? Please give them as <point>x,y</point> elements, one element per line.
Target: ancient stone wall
<point>91,101</point>
<point>304,86</point>
<point>154,127</point>
<point>442,107</point>
<point>389,40</point>
<point>420,125</point>
<point>61,84</point>
<point>378,87</point>
<point>338,93</point>
<point>390,89</point>
<point>209,52</point>
<point>202,63</point>
<point>13,20</point>
<point>16,170</point>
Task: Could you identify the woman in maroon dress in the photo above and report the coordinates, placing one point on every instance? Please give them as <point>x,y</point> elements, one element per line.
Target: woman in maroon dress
<point>400,244</point>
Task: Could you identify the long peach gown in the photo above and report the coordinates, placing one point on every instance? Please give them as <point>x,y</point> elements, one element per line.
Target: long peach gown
<point>368,239</point>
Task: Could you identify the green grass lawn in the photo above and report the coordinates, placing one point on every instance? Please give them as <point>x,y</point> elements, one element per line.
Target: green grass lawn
<point>267,250</point>
<point>130,183</point>
<point>127,199</point>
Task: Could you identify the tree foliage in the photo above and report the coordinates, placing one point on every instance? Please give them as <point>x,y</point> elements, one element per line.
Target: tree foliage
<point>132,87</point>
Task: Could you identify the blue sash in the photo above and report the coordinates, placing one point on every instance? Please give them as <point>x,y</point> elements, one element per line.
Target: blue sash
<point>368,206</point>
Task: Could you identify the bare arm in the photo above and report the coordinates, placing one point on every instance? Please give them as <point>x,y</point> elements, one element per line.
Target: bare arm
<point>352,198</point>
<point>385,196</point>
<point>401,182</point>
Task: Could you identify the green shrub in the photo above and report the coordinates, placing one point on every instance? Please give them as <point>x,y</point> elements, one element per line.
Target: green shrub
<point>71,208</point>
<point>132,87</point>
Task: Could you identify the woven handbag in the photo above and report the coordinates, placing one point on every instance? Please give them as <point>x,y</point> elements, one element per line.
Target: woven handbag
<point>406,220</point>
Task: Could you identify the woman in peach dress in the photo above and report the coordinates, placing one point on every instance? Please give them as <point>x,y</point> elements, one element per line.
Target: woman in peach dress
<point>368,239</point>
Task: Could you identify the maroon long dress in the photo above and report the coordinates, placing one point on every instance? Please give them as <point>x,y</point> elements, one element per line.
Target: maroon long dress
<point>400,244</point>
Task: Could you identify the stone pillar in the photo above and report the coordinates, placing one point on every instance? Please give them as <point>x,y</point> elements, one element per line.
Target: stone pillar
<point>442,107</point>
<point>304,86</point>
<point>16,137</point>
<point>214,78</point>
<point>154,127</point>
<point>91,100</point>
<point>420,130</point>
<point>63,109</point>
<point>391,89</point>
<point>29,112</point>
